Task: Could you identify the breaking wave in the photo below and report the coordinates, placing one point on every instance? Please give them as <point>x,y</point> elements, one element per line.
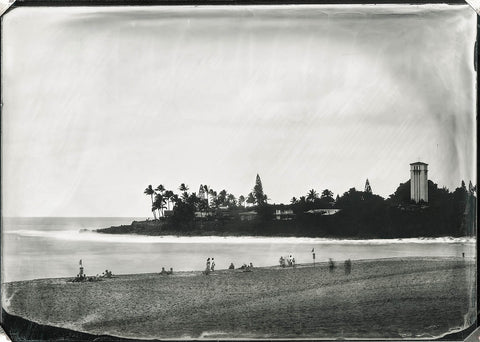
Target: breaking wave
<point>71,235</point>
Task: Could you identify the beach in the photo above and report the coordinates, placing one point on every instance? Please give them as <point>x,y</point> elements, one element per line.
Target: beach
<point>384,298</point>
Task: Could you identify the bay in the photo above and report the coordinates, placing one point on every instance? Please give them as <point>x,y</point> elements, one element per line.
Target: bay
<point>50,247</point>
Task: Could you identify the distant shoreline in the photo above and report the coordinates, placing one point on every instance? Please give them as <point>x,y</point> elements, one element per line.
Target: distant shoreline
<point>254,228</point>
<point>243,304</point>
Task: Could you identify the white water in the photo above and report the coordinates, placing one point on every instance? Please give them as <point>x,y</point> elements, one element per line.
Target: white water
<point>51,247</point>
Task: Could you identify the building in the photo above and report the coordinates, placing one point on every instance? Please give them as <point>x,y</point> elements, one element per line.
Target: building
<point>326,211</point>
<point>284,214</point>
<point>248,215</point>
<point>419,182</point>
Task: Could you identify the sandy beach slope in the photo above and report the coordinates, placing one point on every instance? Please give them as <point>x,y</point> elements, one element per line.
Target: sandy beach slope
<point>387,298</point>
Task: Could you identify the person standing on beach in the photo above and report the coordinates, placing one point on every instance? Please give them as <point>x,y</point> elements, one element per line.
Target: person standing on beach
<point>208,264</point>
<point>212,267</point>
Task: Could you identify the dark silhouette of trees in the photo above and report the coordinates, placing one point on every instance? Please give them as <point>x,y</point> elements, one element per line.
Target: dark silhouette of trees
<point>362,214</point>
<point>150,192</point>
<point>159,204</point>
<point>312,196</point>
<point>241,200</point>
<point>258,194</point>
<point>251,198</point>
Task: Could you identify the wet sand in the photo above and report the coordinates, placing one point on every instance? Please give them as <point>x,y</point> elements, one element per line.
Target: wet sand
<point>386,298</point>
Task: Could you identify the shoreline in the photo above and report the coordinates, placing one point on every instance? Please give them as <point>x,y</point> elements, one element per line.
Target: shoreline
<point>159,299</point>
<point>270,267</point>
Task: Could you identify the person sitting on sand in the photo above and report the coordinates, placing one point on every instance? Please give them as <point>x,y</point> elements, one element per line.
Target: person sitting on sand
<point>282,261</point>
<point>251,265</point>
<point>163,271</point>
<point>231,267</point>
<point>289,261</point>
<point>171,271</point>
<point>212,267</point>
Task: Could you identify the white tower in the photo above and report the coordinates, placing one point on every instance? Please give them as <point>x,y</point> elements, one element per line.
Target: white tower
<point>419,182</point>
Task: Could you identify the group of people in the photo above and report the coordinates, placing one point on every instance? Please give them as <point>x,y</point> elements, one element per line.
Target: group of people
<point>81,276</point>
<point>106,274</point>
<point>247,268</point>
<point>165,272</point>
<point>210,266</point>
<point>284,262</point>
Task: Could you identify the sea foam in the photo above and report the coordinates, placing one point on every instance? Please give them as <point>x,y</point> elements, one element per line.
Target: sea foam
<point>71,235</point>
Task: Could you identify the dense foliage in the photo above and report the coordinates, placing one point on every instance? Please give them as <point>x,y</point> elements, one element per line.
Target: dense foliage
<point>361,214</point>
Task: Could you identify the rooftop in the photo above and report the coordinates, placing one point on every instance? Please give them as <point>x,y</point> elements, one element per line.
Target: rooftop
<point>418,163</point>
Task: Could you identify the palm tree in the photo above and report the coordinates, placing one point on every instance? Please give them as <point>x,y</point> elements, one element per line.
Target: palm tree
<point>184,188</point>
<point>159,204</point>
<point>168,195</point>
<point>174,199</point>
<point>213,195</point>
<point>312,195</point>
<point>294,200</point>
<point>160,189</point>
<point>149,191</point>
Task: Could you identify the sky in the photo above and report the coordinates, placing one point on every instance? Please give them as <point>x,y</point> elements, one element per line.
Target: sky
<point>98,103</point>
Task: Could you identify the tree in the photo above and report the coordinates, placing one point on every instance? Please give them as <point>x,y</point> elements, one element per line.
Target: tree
<point>251,198</point>
<point>294,200</point>
<point>258,191</point>
<point>149,191</point>
<point>159,204</point>
<point>222,197</point>
<point>160,189</point>
<point>205,190</point>
<point>213,198</point>
<point>184,189</point>
<point>193,200</point>
<point>471,188</point>
<point>326,194</point>
<point>326,198</point>
<point>231,200</point>
<point>312,195</point>
<point>368,188</point>
<point>174,199</point>
<point>168,196</point>
<point>241,200</point>
<point>212,195</point>
<point>201,192</point>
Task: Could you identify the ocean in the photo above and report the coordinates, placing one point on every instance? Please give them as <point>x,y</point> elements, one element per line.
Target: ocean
<point>48,247</point>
